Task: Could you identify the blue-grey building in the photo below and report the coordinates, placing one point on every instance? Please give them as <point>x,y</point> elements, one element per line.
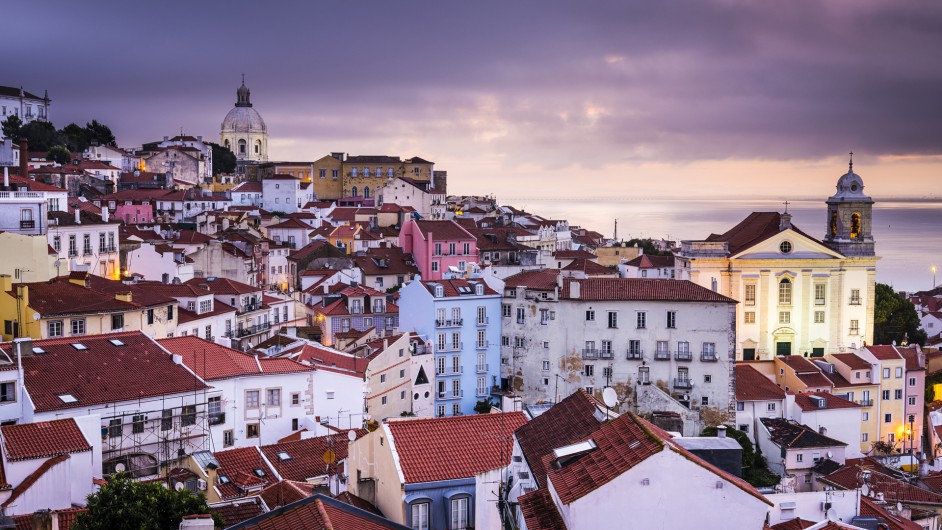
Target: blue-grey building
<point>462,320</point>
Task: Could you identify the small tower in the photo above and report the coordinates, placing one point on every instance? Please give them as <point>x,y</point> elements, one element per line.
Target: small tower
<point>242,95</point>
<point>850,217</point>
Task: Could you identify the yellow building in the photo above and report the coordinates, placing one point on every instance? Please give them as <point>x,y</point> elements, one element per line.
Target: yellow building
<point>853,379</point>
<point>327,177</point>
<point>28,258</point>
<point>890,403</point>
<point>81,305</point>
<point>612,256</point>
<point>799,375</point>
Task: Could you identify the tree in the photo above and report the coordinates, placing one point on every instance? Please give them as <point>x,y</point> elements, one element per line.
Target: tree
<point>755,469</point>
<point>895,319</point>
<point>224,160</point>
<point>123,504</point>
<point>100,132</point>
<point>483,406</point>
<point>11,127</point>
<point>41,135</point>
<point>648,246</point>
<point>59,154</point>
<point>74,137</point>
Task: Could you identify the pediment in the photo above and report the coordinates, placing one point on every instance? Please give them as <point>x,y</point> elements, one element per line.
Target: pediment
<point>802,247</point>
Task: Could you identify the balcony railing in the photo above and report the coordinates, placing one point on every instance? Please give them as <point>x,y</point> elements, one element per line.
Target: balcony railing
<point>481,392</point>
<point>481,368</point>
<point>606,354</point>
<point>662,355</point>
<point>217,418</point>
<point>482,321</point>
<point>451,395</point>
<point>683,383</point>
<point>635,355</point>
<point>455,322</point>
<point>683,356</point>
<point>451,347</point>
<point>419,349</point>
<point>249,330</point>
<point>480,345</point>
<point>709,357</point>
<point>865,402</point>
<point>590,353</point>
<point>457,370</point>
<point>27,224</point>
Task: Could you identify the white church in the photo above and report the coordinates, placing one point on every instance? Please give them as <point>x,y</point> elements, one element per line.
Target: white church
<point>797,295</point>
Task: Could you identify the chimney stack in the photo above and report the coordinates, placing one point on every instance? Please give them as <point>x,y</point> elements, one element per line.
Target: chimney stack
<point>105,214</point>
<point>721,431</point>
<point>78,217</point>
<point>24,158</point>
<point>23,347</point>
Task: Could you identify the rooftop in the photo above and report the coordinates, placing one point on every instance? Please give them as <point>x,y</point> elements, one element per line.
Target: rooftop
<point>793,435</point>
<point>751,385</point>
<point>638,289</point>
<point>43,439</point>
<point>213,361</point>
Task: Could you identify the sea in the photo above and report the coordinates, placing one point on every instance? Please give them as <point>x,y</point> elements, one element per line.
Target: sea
<point>907,232</point>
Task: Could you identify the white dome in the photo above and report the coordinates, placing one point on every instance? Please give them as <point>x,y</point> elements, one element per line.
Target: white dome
<point>244,120</point>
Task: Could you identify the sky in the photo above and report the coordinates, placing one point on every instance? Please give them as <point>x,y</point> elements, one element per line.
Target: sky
<point>522,99</point>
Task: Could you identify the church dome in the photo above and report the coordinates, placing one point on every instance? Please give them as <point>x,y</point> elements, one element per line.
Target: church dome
<point>850,186</point>
<point>244,120</point>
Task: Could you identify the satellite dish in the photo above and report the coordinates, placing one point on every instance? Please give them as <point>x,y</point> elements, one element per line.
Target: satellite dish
<point>178,486</point>
<point>899,506</point>
<point>831,514</point>
<point>609,397</point>
<point>830,455</point>
<point>119,467</point>
<point>36,316</point>
<point>865,490</point>
<point>351,435</point>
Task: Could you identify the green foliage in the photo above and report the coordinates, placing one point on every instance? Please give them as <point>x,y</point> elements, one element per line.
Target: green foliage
<point>483,406</point>
<point>101,133</point>
<point>224,160</point>
<point>882,448</point>
<point>407,414</point>
<point>895,319</point>
<point>59,154</point>
<point>11,128</point>
<point>41,135</point>
<point>74,138</point>
<point>124,504</point>
<point>755,470</point>
<point>648,246</point>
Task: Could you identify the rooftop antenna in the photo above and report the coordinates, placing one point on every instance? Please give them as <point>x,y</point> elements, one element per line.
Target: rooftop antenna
<point>615,237</point>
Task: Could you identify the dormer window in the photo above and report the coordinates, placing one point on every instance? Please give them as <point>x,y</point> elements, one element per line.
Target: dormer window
<point>439,291</point>
<point>479,289</point>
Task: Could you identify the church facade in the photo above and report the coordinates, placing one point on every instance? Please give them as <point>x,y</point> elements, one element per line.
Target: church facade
<point>797,295</point>
<point>244,131</point>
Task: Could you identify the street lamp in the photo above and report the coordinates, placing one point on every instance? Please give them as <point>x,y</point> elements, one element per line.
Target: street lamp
<point>912,418</point>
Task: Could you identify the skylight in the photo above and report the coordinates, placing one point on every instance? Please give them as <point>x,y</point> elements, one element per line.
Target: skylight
<point>223,479</point>
<point>259,472</point>
<point>68,398</point>
<point>116,342</point>
<point>283,455</point>
<point>574,449</point>
<point>37,349</point>
<point>79,346</point>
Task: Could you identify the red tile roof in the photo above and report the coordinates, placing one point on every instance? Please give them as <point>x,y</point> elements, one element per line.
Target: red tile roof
<point>221,285</point>
<point>318,513</point>
<point>103,373</point>
<point>793,435</point>
<point>285,492</point>
<point>443,230</point>
<point>538,279</point>
<point>590,268</point>
<point>539,511</point>
<point>794,524</point>
<point>248,187</point>
<point>853,361</point>
<point>912,357</point>
<point>752,230</point>
<point>358,502</point>
<point>305,458</point>
<point>66,518</point>
<point>32,478</point>
<point>638,289</point>
<point>574,254</point>
<point>893,489</point>
<point>870,508</point>
<point>831,401</point>
<point>567,422</point>
<point>751,385</point>
<point>648,261</point>
<point>436,449</point>
<point>238,466</point>
<point>884,353</point>
<point>323,358</point>
<point>213,361</point>
<point>61,297</point>
<point>43,439</point>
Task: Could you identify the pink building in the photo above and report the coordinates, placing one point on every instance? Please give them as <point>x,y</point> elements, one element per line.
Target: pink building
<point>915,385</point>
<point>438,245</point>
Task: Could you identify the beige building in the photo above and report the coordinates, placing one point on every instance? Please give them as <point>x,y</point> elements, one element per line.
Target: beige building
<point>28,258</point>
<point>798,295</point>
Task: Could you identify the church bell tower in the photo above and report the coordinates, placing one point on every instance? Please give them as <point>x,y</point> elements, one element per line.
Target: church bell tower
<point>850,217</point>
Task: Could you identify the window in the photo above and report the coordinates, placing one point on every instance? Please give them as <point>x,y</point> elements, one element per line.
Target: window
<point>911,400</point>
<point>785,292</point>
<point>482,315</point>
<point>228,440</point>
<point>642,319</point>
<point>855,297</point>
<point>7,392</point>
<point>899,373</point>
<point>150,317</point>
<point>78,326</point>
<point>819,290</point>
<point>644,375</point>
<point>704,401</point>
<point>114,428</point>
<point>785,247</point>
<point>251,430</point>
<point>864,437</point>
<point>887,418</point>
<point>188,415</point>
<point>55,328</point>
<point>589,370</point>
<point>590,390</point>
<point>420,510</point>
<point>214,406</point>
<point>612,319</point>
<point>749,317</point>
<point>886,373</point>
<point>505,310</point>
<point>251,399</point>
<point>865,416</point>
<point>912,381</point>
<point>784,317</point>
<point>137,423</point>
<point>799,457</point>
<point>166,419</point>
<point>740,406</point>
<point>295,398</point>
<point>819,317</point>
<point>590,315</point>
<point>521,315</point>
<point>672,319</point>
<point>169,312</point>
<point>273,397</point>
<point>434,266</point>
<point>57,244</point>
<point>898,394</point>
<point>459,513</point>
<point>546,365</point>
<point>749,292</point>
<point>854,327</point>
<point>886,394</point>
<point>770,407</point>
<point>707,378</point>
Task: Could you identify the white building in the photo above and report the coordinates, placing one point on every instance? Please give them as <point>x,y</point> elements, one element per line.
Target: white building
<point>248,193</point>
<point>113,156</point>
<point>427,201</point>
<point>799,296</point>
<point>757,396</point>
<point>85,241</point>
<point>243,130</point>
<point>206,152</point>
<point>158,262</point>
<point>793,450</point>
<point>18,102</point>
<point>670,342</point>
<point>284,193</point>
<point>830,415</point>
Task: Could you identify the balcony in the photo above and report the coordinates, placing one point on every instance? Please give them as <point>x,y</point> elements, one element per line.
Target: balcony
<point>590,353</point>
<point>217,418</point>
<point>27,224</point>
<point>635,355</point>
<point>482,321</point>
<point>683,356</point>
<point>662,355</point>
<point>481,368</point>
<point>606,354</point>
<point>419,349</point>
<point>456,370</point>
<point>480,345</point>
<point>451,395</point>
<point>481,392</point>
<point>709,357</point>
<point>683,383</point>
<point>453,323</point>
<point>249,330</point>
<point>865,402</point>
<point>450,347</point>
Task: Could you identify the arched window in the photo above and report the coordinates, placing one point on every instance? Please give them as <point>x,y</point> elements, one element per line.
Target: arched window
<point>258,146</point>
<point>354,192</point>
<point>785,292</point>
<point>228,144</point>
<point>353,172</point>
<point>834,223</point>
<point>855,226</point>
<point>366,192</point>
<point>241,147</point>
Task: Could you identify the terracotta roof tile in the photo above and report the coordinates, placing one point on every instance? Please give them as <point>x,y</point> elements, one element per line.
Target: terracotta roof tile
<point>443,230</point>
<point>318,513</point>
<point>853,361</point>
<point>221,285</point>
<point>285,492</point>
<point>43,439</point>
<point>436,449</point>
<point>752,230</point>
<point>870,508</point>
<point>538,279</point>
<point>304,459</point>
<point>638,289</point>
<point>794,524</point>
<point>751,385</point>
<point>358,502</point>
<point>102,373</point>
<point>574,254</point>
<point>893,489</point>
<point>793,435</point>
<point>648,261</point>
<point>213,361</point>
<point>590,268</point>
<point>539,511</point>
<point>830,402</point>
<point>884,353</point>
<point>238,467</point>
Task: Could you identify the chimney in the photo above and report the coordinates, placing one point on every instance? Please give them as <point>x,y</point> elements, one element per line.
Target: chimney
<point>42,520</point>
<point>123,297</point>
<point>24,158</point>
<point>721,431</point>
<point>78,216</point>
<point>6,283</point>
<point>6,178</point>
<point>199,521</point>
<point>785,222</point>
<point>574,290</point>
<point>104,214</point>
<point>23,347</point>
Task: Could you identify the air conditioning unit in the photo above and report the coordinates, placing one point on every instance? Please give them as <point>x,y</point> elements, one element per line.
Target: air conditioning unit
<point>201,484</point>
